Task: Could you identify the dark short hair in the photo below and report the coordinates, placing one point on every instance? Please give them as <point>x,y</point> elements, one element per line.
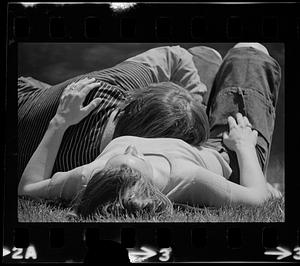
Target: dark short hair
<point>120,191</point>
<point>163,110</point>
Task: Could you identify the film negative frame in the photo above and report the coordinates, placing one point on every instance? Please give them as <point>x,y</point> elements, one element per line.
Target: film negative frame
<point>151,242</point>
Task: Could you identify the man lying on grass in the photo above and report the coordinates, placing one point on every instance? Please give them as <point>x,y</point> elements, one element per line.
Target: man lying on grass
<point>145,173</point>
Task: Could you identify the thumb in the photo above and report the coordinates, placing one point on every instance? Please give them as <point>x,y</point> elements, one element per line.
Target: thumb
<point>91,106</point>
<point>225,135</point>
<point>255,133</point>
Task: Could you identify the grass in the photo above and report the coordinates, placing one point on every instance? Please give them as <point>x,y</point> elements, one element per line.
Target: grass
<point>273,210</point>
<point>30,210</point>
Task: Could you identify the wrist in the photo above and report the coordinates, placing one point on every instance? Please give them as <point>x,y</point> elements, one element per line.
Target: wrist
<point>58,122</point>
<point>244,147</point>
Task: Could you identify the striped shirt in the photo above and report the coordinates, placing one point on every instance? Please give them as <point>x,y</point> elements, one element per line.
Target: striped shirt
<point>80,145</point>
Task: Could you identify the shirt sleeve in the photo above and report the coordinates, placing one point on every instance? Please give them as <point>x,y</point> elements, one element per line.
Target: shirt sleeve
<point>172,63</point>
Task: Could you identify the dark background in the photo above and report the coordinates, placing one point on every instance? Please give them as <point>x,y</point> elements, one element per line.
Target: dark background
<point>55,62</point>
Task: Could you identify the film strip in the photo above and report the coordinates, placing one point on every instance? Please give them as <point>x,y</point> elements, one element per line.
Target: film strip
<point>157,242</point>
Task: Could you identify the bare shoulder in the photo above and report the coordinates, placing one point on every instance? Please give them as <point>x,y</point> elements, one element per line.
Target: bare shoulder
<point>88,169</point>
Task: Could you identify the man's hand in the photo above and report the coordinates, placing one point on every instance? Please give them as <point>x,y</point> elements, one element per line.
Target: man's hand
<point>70,110</point>
<point>240,133</point>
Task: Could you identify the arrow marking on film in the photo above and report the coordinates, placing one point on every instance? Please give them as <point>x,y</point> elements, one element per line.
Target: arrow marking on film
<point>142,255</point>
<point>5,252</point>
<point>281,252</point>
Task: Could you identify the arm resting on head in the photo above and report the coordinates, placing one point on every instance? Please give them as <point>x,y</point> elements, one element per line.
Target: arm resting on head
<point>40,165</point>
<point>36,176</point>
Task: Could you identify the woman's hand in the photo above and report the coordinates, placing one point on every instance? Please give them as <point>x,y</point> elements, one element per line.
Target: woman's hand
<point>70,110</point>
<point>273,191</point>
<point>240,133</point>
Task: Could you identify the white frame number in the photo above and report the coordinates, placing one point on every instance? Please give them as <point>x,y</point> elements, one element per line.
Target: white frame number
<point>297,253</point>
<point>165,254</point>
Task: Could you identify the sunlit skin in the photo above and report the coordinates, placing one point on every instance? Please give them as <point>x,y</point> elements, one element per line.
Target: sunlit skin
<point>133,159</point>
<point>187,182</point>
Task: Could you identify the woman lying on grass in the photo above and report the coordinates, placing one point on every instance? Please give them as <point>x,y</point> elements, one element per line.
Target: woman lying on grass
<point>135,174</point>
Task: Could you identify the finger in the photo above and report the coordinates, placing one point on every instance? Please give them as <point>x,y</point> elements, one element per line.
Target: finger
<point>82,83</point>
<point>225,135</point>
<point>255,135</point>
<point>69,87</point>
<point>278,193</point>
<point>81,80</point>
<point>231,122</point>
<point>71,84</point>
<point>240,119</point>
<point>247,123</point>
<point>91,106</point>
<point>89,87</point>
<point>255,132</point>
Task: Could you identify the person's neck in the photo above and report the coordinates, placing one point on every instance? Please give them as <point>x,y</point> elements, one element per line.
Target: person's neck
<point>161,170</point>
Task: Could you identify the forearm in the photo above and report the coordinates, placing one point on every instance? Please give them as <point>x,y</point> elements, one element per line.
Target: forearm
<point>251,175</point>
<point>41,162</point>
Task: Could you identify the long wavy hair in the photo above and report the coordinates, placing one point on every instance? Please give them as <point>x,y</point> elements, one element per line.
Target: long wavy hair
<point>120,191</point>
<point>163,110</point>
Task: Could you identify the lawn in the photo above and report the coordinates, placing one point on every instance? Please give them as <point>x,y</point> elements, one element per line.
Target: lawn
<point>44,211</point>
<point>273,210</point>
<point>108,54</point>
